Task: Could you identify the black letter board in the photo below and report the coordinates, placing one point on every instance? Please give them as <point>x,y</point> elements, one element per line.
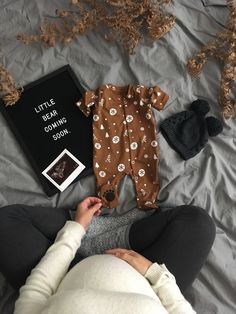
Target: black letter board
<point>46,120</point>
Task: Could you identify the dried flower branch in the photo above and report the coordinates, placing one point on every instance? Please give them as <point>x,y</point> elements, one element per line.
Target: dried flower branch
<point>9,90</point>
<point>224,49</point>
<point>125,21</point>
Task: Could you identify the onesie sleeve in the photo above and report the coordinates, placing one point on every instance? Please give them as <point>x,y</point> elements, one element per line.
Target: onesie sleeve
<point>88,100</point>
<point>158,97</point>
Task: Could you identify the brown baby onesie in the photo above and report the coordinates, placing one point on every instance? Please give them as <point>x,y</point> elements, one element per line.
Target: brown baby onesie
<point>125,140</point>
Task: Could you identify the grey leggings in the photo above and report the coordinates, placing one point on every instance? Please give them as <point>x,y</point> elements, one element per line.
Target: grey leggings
<point>180,237</point>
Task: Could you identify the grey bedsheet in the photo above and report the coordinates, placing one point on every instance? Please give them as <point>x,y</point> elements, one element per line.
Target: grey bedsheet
<point>208,180</point>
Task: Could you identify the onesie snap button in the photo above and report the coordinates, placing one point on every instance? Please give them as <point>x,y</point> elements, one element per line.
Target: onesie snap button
<point>109,195</point>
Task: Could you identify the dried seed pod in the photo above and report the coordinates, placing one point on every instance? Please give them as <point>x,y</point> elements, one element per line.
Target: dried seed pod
<point>224,50</point>
<point>124,21</point>
<point>9,90</point>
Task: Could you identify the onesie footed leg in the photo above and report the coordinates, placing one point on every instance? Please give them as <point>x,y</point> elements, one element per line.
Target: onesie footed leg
<point>146,197</point>
<point>108,195</point>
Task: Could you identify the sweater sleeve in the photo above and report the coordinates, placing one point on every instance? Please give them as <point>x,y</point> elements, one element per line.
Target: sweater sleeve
<point>47,275</point>
<point>164,285</point>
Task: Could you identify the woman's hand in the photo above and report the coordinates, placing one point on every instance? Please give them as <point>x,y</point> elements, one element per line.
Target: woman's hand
<point>85,210</point>
<point>139,262</point>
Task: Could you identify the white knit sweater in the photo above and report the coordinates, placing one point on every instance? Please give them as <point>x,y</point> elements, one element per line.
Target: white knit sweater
<point>99,284</point>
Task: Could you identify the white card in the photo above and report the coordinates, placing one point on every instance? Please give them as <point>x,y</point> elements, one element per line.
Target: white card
<point>63,170</point>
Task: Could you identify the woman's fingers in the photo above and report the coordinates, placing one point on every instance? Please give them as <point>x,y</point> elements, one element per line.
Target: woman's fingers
<point>95,207</point>
<point>98,212</point>
<point>119,250</point>
<point>92,200</point>
<point>139,262</point>
<point>126,255</point>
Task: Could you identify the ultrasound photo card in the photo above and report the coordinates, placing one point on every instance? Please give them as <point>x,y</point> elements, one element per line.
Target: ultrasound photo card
<point>63,170</point>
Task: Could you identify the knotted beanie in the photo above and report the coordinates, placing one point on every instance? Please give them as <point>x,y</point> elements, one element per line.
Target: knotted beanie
<point>187,132</point>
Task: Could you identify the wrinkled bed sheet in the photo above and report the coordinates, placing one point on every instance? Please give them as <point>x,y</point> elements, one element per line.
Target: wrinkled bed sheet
<point>208,180</point>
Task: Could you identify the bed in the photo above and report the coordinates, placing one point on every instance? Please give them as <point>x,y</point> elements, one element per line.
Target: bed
<point>207,180</point>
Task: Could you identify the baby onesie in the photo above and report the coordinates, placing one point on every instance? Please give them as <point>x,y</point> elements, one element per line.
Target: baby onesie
<point>125,140</point>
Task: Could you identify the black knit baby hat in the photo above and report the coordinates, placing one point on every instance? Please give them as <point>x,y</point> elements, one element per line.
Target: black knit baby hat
<point>187,131</point>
